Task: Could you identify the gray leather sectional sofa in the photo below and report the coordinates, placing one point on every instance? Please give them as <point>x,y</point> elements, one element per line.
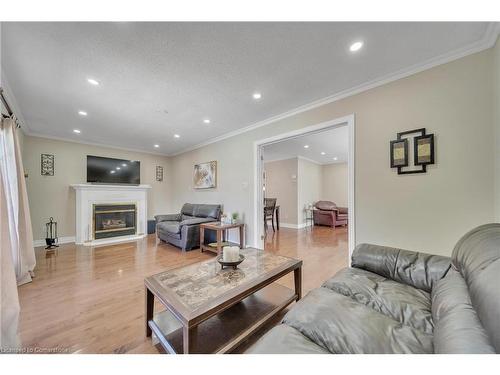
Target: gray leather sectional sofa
<point>397,301</point>
<point>183,229</point>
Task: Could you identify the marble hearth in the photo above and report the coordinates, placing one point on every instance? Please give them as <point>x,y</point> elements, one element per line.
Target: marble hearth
<point>89,196</point>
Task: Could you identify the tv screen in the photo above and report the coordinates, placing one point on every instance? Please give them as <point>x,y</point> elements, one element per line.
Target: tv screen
<point>113,171</point>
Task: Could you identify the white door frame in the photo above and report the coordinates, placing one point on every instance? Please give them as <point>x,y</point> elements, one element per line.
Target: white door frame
<point>348,121</point>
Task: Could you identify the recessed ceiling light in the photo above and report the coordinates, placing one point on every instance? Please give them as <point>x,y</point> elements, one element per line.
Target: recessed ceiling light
<point>206,121</point>
<point>323,153</point>
<point>118,168</point>
<point>111,172</point>
<point>306,146</point>
<point>356,46</point>
<point>92,81</point>
<point>82,113</point>
<point>257,95</point>
<point>335,158</point>
<point>77,131</point>
<point>124,165</point>
<point>156,146</point>
<point>177,136</point>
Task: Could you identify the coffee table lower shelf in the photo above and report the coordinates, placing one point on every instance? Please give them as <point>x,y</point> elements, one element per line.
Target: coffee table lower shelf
<point>225,331</point>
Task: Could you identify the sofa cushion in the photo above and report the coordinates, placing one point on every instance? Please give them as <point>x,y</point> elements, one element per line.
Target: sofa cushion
<point>457,326</point>
<point>477,257</point>
<point>342,217</point>
<point>325,206</point>
<point>284,339</point>
<point>173,227</point>
<point>188,209</point>
<point>207,210</point>
<point>195,220</point>
<point>412,268</point>
<point>400,302</point>
<point>342,325</point>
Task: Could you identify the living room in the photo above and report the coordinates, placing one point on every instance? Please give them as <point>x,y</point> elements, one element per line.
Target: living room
<point>250,188</point>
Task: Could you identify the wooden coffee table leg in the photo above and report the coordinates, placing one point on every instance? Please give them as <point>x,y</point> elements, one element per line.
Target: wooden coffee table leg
<point>297,273</point>
<point>189,336</point>
<point>241,236</point>
<point>202,238</point>
<point>150,303</point>
<point>219,241</point>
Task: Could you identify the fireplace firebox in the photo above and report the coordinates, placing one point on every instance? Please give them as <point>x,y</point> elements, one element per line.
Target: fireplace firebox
<point>114,220</point>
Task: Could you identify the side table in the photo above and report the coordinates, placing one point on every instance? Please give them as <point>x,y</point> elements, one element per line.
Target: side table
<point>221,229</point>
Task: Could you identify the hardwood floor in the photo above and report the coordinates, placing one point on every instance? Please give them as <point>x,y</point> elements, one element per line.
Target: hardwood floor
<point>91,300</point>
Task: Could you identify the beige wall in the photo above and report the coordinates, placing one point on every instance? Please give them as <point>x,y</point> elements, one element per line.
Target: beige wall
<point>496,106</point>
<point>334,183</point>
<point>309,186</point>
<point>426,212</point>
<point>53,196</point>
<point>280,184</point>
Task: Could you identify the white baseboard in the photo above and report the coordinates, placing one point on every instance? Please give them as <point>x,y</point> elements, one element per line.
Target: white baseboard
<point>62,240</point>
<point>295,226</point>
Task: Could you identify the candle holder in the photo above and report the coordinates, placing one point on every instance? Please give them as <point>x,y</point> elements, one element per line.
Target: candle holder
<point>233,264</point>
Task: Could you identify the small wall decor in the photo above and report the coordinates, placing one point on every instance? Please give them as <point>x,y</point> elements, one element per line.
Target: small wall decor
<point>423,151</point>
<point>47,165</point>
<point>205,175</point>
<point>399,153</point>
<point>159,173</point>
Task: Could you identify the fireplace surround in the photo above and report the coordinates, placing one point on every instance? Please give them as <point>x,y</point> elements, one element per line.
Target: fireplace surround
<point>108,214</point>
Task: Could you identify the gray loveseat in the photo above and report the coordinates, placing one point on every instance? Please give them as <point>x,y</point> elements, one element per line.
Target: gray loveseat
<point>396,301</point>
<point>183,229</point>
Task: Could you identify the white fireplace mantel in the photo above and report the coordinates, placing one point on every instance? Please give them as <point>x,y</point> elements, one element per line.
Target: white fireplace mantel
<point>90,194</point>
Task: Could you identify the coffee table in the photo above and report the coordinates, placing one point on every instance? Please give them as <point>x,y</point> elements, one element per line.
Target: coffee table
<point>210,310</point>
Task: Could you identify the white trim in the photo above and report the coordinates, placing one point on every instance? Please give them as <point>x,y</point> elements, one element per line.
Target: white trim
<point>295,226</point>
<point>104,187</point>
<point>487,41</point>
<point>303,158</point>
<point>348,121</point>
<point>114,240</point>
<point>62,240</point>
<point>63,139</point>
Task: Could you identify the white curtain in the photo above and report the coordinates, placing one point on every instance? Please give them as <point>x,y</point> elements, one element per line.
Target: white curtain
<point>16,241</point>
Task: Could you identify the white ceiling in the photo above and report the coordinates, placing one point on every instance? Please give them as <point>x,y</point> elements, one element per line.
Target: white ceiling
<point>334,143</point>
<point>199,70</point>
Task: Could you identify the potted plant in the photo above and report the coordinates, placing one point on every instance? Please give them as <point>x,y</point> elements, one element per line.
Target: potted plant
<point>235,217</point>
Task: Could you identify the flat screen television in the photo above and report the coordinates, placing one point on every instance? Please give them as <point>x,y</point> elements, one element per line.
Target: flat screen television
<point>113,171</point>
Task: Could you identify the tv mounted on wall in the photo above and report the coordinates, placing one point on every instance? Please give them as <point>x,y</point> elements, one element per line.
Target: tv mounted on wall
<point>102,170</point>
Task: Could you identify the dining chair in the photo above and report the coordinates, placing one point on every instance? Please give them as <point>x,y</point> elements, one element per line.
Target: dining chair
<point>269,211</point>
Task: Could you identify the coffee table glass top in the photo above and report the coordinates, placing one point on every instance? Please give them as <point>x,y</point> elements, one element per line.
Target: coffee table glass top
<point>202,282</point>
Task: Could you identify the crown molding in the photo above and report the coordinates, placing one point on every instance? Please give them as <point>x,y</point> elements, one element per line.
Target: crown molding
<point>55,138</point>
<point>488,39</point>
<point>299,157</point>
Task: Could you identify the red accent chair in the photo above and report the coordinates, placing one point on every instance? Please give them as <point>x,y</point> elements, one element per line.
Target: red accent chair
<point>327,213</point>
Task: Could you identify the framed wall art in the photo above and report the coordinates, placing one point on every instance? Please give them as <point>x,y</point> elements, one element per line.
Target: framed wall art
<point>159,173</point>
<point>423,151</point>
<point>205,175</point>
<point>399,153</point>
<point>47,165</point>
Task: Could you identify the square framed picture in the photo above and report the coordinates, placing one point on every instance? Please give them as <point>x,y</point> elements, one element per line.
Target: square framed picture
<point>399,153</point>
<point>423,149</point>
<point>205,175</point>
<point>47,165</point>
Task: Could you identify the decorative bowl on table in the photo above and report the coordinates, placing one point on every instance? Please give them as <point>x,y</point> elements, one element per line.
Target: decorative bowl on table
<point>233,264</point>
